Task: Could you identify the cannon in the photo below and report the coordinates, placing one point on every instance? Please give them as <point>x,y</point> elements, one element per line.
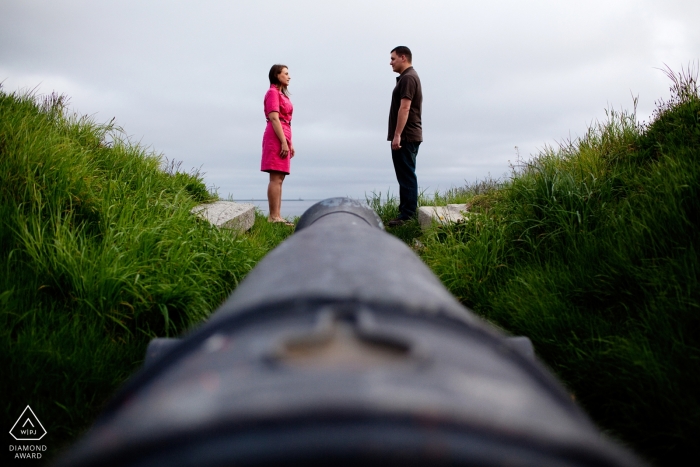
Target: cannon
<point>342,348</point>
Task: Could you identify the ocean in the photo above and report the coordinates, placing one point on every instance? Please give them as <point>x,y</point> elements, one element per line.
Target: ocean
<point>290,207</point>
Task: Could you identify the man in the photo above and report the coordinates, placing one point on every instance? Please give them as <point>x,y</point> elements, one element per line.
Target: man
<point>405,131</point>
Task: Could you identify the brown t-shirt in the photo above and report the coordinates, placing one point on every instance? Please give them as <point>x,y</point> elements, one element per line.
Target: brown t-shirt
<point>407,87</point>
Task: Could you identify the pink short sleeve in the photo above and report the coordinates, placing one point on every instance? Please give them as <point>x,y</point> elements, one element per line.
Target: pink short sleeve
<point>272,101</point>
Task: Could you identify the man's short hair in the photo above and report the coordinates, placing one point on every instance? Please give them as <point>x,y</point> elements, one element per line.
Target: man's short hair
<point>405,51</point>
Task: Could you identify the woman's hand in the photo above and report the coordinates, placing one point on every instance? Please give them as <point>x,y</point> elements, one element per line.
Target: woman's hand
<point>291,150</point>
<point>285,150</point>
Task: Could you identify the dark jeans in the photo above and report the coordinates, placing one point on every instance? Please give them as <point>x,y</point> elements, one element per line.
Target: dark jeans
<point>405,167</point>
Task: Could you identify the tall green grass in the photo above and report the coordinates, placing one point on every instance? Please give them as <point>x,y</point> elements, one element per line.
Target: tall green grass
<point>98,254</point>
<point>592,250</point>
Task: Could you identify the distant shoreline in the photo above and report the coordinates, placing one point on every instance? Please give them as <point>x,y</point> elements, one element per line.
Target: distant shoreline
<point>265,199</point>
<point>290,207</point>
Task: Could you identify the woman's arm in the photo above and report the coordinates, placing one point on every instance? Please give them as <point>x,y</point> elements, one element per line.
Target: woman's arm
<point>277,126</point>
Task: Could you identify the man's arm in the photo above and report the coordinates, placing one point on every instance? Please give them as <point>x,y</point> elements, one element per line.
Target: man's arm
<point>401,120</point>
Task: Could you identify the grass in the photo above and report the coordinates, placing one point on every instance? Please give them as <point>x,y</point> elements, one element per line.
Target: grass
<point>98,253</point>
<point>591,250</point>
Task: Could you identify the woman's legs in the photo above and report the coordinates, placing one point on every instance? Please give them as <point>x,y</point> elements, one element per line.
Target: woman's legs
<point>274,195</point>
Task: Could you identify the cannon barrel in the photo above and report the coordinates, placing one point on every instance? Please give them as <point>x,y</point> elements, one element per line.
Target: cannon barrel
<point>342,348</point>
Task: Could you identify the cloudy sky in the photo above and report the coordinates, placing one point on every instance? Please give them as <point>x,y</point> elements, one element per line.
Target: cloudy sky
<point>187,78</point>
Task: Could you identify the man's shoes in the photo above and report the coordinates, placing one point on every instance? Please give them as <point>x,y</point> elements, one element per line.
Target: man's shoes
<point>396,222</point>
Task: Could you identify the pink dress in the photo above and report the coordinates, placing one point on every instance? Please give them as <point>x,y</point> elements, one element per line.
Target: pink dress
<point>275,101</point>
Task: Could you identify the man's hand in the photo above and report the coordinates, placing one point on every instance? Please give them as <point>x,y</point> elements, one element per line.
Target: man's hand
<point>396,143</point>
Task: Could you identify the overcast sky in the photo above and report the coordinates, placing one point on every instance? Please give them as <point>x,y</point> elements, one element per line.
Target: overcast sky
<point>187,78</point>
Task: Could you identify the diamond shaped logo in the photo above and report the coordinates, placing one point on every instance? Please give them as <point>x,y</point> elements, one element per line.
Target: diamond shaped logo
<point>28,427</point>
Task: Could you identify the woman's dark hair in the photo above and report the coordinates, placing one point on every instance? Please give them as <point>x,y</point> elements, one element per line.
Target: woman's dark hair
<point>274,71</point>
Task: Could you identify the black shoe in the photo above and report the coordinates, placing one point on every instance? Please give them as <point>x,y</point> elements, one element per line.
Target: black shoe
<point>396,222</point>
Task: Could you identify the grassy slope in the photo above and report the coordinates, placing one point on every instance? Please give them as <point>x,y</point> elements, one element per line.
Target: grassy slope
<point>592,252</point>
<point>589,250</point>
<point>98,253</point>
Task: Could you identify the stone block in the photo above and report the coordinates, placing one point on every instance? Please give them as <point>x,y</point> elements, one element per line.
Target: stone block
<point>227,214</point>
<point>441,214</point>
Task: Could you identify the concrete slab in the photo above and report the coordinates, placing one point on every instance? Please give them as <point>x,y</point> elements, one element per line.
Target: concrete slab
<point>227,214</point>
<point>441,214</point>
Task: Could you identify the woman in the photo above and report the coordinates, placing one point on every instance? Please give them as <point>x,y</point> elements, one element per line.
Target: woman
<point>277,148</point>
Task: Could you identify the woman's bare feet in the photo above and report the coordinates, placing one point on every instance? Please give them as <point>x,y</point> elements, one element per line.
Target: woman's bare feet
<point>279,220</point>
